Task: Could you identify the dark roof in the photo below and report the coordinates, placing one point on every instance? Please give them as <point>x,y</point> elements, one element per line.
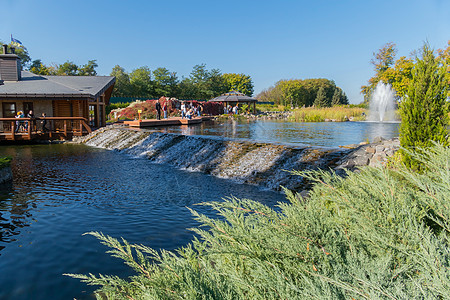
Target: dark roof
<point>32,85</point>
<point>233,96</point>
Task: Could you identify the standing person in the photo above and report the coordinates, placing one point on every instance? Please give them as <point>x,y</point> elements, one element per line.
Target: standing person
<point>165,109</point>
<point>199,110</point>
<point>158,110</point>
<point>30,115</point>
<point>44,122</point>
<point>183,110</point>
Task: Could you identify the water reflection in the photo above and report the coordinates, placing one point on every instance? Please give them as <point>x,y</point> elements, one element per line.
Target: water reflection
<point>325,134</point>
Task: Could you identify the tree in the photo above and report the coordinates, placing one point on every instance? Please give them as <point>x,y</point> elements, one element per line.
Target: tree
<point>122,88</point>
<point>68,68</point>
<point>141,83</point>
<point>37,67</point>
<point>165,82</point>
<point>216,84</point>
<point>239,82</point>
<point>321,99</point>
<point>423,110</point>
<point>382,60</point>
<point>444,57</point>
<point>336,100</point>
<point>88,69</point>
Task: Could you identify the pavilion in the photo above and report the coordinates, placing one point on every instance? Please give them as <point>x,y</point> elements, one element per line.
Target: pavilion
<point>234,98</point>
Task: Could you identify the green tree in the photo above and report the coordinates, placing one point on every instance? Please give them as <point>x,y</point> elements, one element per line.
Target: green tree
<point>141,83</point>
<point>88,69</point>
<point>37,67</point>
<point>321,98</point>
<point>239,82</point>
<point>68,68</point>
<point>336,100</point>
<point>165,82</point>
<point>216,84</point>
<point>122,88</point>
<point>423,110</point>
<point>382,61</point>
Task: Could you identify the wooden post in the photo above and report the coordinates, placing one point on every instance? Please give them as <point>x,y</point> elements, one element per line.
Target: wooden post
<point>254,108</point>
<point>29,129</point>
<point>13,130</point>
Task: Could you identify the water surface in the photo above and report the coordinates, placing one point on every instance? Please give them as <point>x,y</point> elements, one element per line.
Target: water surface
<point>60,192</point>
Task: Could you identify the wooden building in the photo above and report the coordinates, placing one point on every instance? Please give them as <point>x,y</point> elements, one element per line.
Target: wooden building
<point>234,98</point>
<point>56,96</point>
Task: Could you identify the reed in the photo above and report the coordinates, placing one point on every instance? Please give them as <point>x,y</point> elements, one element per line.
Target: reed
<point>335,113</point>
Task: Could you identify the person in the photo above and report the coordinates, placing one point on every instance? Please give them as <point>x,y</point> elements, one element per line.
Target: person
<point>158,110</point>
<point>31,116</point>
<point>189,114</point>
<point>183,110</point>
<point>165,109</point>
<point>199,110</point>
<point>229,109</point>
<point>44,122</point>
<point>19,124</point>
<point>235,110</point>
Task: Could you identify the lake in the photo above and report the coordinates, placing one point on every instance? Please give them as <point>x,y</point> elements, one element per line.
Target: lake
<point>61,191</point>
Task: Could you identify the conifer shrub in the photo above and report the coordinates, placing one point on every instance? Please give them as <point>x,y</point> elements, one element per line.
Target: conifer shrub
<point>424,111</point>
<point>383,233</point>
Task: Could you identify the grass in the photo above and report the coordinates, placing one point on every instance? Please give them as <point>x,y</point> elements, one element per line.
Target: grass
<point>336,113</point>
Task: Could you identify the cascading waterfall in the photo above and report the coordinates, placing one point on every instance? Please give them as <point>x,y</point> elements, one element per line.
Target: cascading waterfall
<point>381,106</point>
<point>246,162</point>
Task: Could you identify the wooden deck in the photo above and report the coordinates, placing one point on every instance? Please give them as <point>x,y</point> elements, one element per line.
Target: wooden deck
<point>57,128</point>
<point>166,122</point>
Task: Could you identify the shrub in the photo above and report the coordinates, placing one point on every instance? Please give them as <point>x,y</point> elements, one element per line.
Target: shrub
<point>383,233</point>
<point>5,161</point>
<point>423,110</point>
<point>336,113</point>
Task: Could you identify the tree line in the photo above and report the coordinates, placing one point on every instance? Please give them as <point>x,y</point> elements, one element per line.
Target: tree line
<point>200,84</point>
<point>319,92</point>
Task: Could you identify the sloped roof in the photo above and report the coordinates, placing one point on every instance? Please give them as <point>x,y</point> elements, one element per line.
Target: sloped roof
<point>32,85</point>
<point>233,96</point>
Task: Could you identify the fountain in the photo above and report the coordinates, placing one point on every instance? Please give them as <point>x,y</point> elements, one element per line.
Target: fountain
<point>381,107</point>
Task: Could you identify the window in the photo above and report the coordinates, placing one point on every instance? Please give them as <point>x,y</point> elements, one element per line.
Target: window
<point>92,109</point>
<point>27,106</point>
<point>9,110</point>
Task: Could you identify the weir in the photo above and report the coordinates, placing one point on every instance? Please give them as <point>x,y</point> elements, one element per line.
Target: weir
<point>262,164</point>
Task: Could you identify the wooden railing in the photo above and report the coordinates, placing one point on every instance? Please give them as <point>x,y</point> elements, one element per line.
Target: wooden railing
<point>49,128</point>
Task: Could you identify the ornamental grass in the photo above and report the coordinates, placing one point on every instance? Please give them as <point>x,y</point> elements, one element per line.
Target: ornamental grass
<point>382,233</point>
<point>335,113</point>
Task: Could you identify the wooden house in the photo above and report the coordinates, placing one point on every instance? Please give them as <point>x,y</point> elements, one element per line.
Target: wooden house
<point>56,96</point>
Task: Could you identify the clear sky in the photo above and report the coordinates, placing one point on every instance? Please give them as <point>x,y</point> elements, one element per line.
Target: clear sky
<point>268,40</point>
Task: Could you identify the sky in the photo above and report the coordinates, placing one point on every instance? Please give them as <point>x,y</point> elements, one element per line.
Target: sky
<point>268,40</point>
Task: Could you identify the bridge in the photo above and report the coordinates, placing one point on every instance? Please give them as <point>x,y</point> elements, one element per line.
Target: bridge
<point>32,129</point>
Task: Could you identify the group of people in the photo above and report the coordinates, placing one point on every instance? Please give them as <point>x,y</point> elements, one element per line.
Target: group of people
<point>188,111</point>
<point>23,125</point>
<point>231,110</point>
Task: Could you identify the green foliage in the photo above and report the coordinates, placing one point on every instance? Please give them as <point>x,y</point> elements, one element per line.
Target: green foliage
<point>112,106</point>
<point>239,82</point>
<point>5,161</point>
<point>335,113</point>
<point>298,93</point>
<point>321,99</point>
<point>423,110</point>
<point>140,82</point>
<point>37,67</point>
<point>122,86</point>
<point>382,233</point>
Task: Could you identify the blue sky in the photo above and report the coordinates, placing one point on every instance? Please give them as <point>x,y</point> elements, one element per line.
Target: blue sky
<point>268,40</point>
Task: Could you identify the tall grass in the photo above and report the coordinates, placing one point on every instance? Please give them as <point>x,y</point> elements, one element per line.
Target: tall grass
<point>335,113</point>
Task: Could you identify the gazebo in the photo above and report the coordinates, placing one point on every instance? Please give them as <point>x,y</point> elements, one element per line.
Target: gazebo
<point>235,98</point>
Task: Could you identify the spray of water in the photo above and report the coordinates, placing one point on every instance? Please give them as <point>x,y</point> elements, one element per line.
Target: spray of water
<point>382,103</point>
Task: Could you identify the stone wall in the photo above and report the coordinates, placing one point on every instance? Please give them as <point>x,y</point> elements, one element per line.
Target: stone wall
<point>374,154</point>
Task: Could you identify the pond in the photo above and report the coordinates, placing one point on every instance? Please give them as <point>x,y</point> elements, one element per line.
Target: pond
<point>60,192</point>
<point>324,134</point>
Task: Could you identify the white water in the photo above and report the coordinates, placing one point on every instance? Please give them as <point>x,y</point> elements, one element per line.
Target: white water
<point>246,162</point>
<point>381,107</point>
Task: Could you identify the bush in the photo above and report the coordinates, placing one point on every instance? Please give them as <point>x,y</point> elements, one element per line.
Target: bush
<point>424,109</point>
<point>383,233</point>
<point>336,113</point>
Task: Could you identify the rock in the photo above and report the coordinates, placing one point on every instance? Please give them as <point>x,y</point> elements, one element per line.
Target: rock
<point>379,148</point>
<point>378,139</point>
<point>361,161</point>
<point>370,150</point>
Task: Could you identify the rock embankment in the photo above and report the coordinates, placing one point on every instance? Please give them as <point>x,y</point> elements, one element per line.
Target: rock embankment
<point>375,154</point>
